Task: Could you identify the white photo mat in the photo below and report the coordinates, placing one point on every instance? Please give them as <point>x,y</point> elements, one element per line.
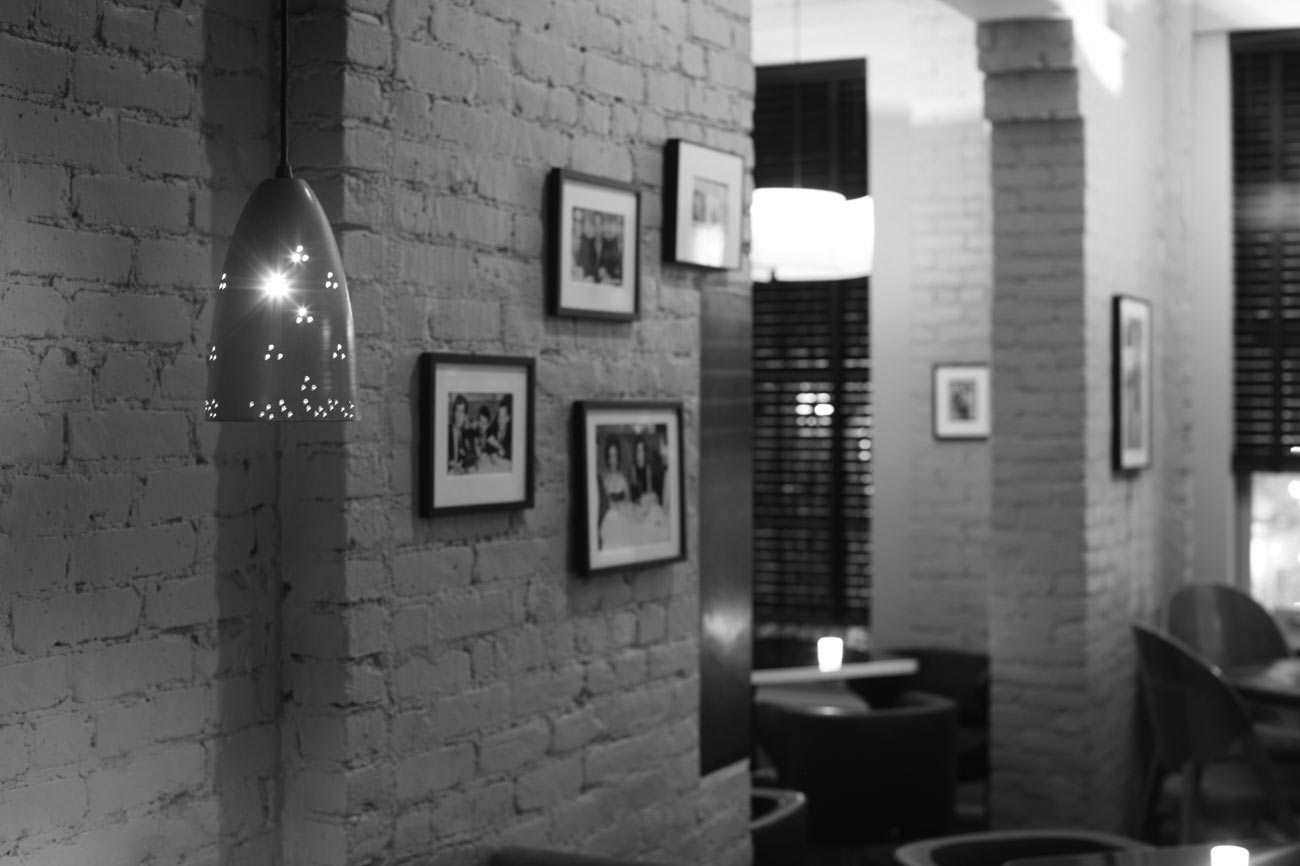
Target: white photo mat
<point>576,293</point>
<point>456,490</point>
<point>645,421</point>
<point>962,402</point>
<point>1132,409</point>
<point>700,171</point>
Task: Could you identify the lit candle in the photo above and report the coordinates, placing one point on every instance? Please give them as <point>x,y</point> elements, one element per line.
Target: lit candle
<point>1229,855</point>
<point>830,654</point>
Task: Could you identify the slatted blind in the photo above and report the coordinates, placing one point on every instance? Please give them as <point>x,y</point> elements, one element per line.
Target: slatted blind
<point>812,368</point>
<point>810,126</point>
<point>1266,240</point>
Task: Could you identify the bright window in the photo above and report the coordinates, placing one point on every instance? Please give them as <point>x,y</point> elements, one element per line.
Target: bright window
<point>1275,538</point>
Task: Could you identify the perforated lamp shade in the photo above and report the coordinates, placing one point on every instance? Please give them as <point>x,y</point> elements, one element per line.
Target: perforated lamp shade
<point>282,333</point>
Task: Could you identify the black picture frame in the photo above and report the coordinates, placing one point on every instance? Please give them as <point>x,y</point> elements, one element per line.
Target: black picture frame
<point>596,280</point>
<point>1132,398</point>
<point>630,485</point>
<point>480,469</point>
<point>962,401</point>
<point>703,205</point>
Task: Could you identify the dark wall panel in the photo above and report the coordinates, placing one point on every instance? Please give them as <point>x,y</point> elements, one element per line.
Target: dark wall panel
<point>726,528</point>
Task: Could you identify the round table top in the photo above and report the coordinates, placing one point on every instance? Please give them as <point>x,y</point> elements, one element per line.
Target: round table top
<point>1182,855</point>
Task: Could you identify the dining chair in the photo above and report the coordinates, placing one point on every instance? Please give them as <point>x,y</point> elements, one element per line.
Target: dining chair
<point>1206,750</point>
<point>1225,624</point>
<point>996,847</point>
<point>962,676</point>
<point>1230,628</point>
<point>884,774</point>
<point>777,826</point>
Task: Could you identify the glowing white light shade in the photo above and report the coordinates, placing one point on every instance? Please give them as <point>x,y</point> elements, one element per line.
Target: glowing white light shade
<point>1229,855</point>
<point>810,234</point>
<point>857,252</point>
<point>282,263</point>
<point>830,653</point>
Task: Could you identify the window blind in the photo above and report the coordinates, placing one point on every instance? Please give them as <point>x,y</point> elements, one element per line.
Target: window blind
<point>810,126</point>
<point>812,452</point>
<point>812,367</point>
<point>1266,250</point>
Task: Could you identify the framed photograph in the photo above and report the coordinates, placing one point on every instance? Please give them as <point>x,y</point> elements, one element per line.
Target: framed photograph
<point>476,433</point>
<point>703,190</point>
<point>593,246</point>
<point>1131,385</point>
<point>630,487</point>
<point>962,406</point>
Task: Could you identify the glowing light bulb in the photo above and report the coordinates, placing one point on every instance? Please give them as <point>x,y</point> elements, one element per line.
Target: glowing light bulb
<point>276,286</point>
<point>830,653</point>
<point>1229,855</point>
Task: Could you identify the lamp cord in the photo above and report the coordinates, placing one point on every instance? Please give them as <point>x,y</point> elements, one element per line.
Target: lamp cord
<point>284,170</point>
<point>794,8</point>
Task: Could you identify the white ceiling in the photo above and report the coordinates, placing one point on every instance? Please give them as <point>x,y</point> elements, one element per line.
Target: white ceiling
<point>1211,15</point>
<point>1002,10</point>
<point>1246,14</point>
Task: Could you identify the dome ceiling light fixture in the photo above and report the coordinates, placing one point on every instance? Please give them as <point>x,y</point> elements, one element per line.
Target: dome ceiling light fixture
<point>282,335</point>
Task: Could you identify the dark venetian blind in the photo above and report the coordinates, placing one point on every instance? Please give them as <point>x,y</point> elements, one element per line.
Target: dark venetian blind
<point>812,371</point>
<point>1266,240</point>
<point>810,126</point>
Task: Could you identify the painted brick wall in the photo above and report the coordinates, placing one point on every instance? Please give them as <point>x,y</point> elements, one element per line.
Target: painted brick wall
<point>1087,179</point>
<point>1036,605</point>
<point>236,643</point>
<point>952,275</point>
<point>454,685</point>
<point>1137,530</point>
<point>137,543</point>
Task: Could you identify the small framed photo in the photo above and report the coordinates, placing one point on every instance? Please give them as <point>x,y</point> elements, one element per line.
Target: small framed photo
<point>593,246</point>
<point>1131,386</point>
<point>961,401</point>
<point>703,191</point>
<point>476,433</point>
<point>630,486</point>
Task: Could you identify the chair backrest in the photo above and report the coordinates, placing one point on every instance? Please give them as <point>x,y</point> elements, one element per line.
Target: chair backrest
<point>1195,714</point>
<point>778,826</point>
<point>883,774</point>
<point>961,675</point>
<point>1226,625</point>
<point>996,847</point>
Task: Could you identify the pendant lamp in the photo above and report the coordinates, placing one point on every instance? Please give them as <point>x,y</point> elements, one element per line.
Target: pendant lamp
<point>806,235</point>
<point>282,333</point>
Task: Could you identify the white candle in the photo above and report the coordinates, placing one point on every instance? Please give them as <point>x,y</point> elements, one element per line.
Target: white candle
<point>1229,855</point>
<point>830,653</point>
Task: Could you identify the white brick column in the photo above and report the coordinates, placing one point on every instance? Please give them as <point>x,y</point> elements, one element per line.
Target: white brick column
<point>1038,576</point>
<point>1088,172</point>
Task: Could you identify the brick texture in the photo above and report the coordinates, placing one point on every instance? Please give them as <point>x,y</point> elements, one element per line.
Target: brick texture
<point>238,644</point>
<point>137,547</point>
<point>951,296</point>
<point>1087,179</point>
<point>460,688</point>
